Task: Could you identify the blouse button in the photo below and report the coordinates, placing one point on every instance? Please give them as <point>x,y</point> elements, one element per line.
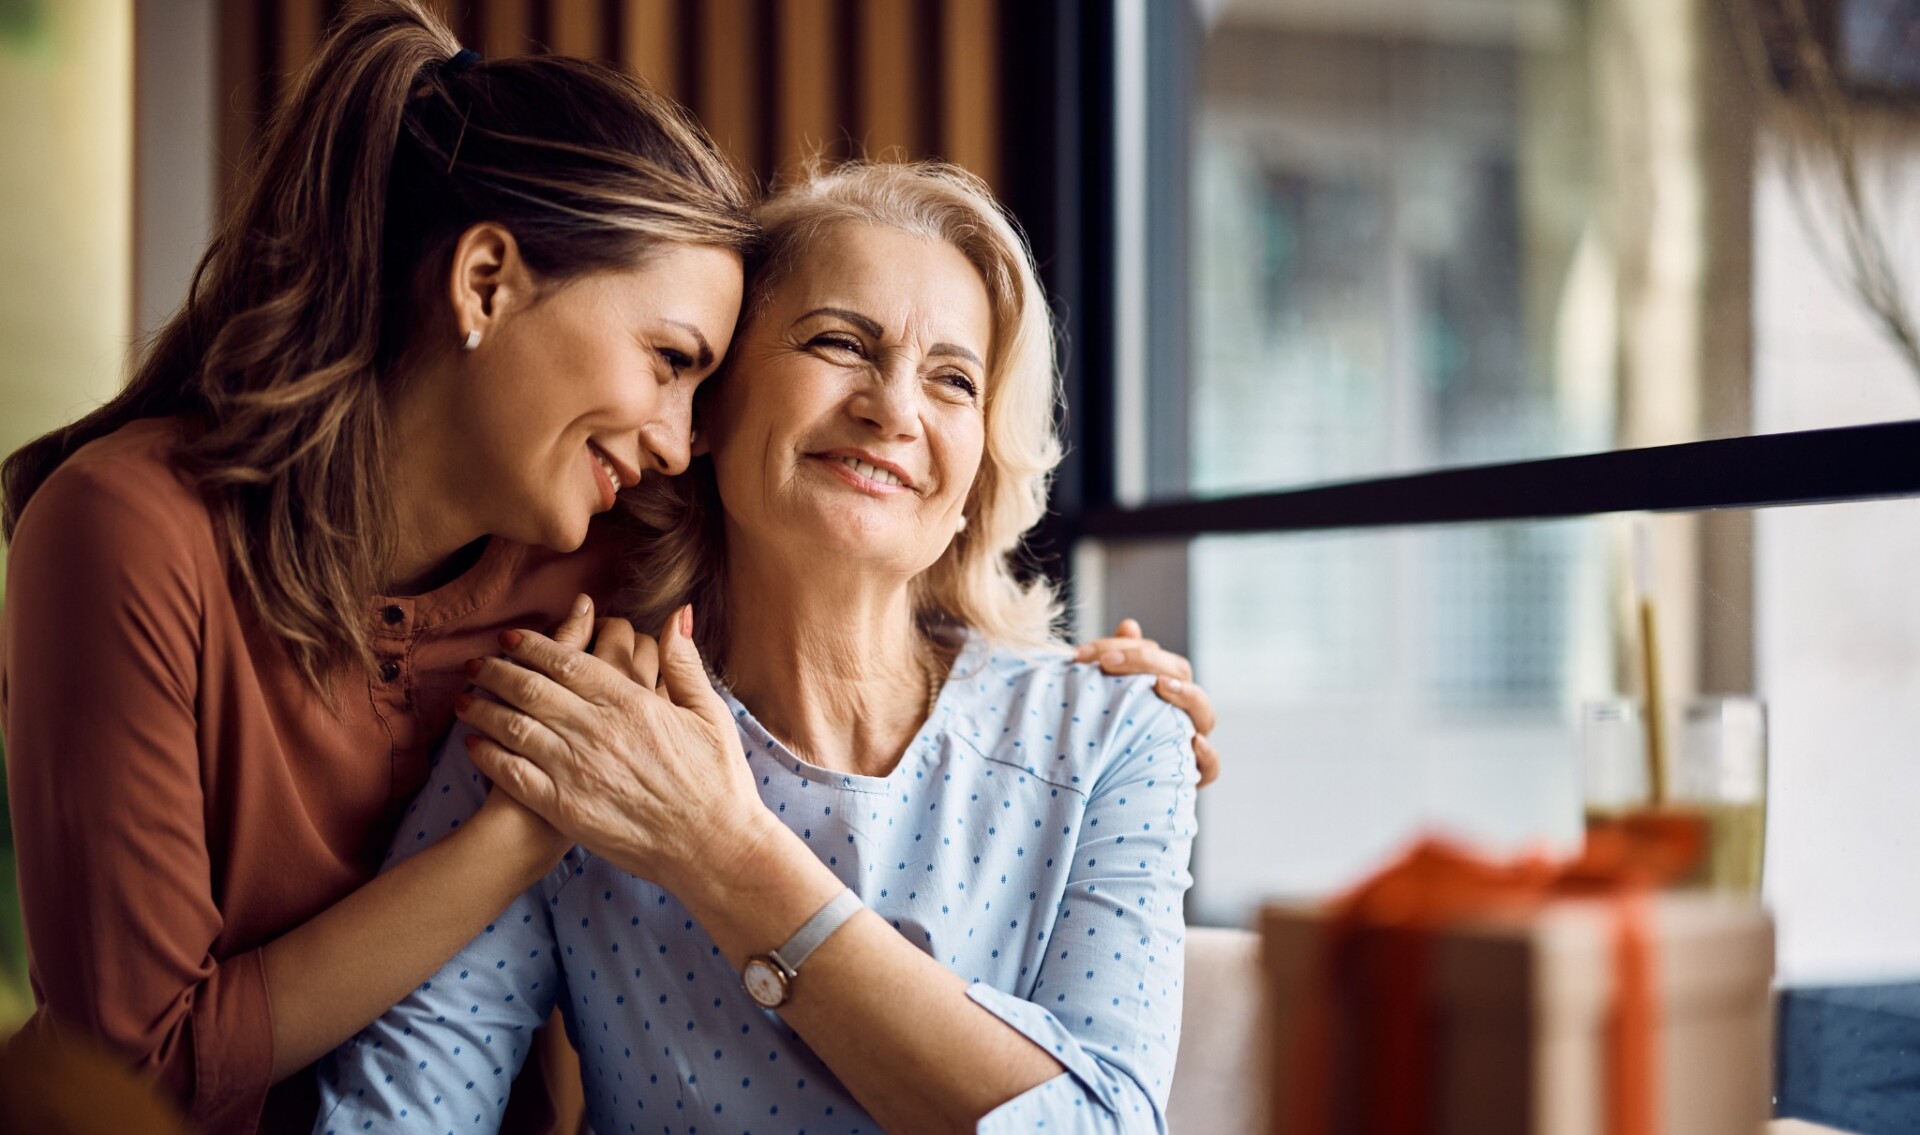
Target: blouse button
<point>394,615</point>
<point>389,671</point>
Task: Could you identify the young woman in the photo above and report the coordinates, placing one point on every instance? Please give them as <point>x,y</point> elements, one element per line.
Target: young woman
<point>951,859</point>
<point>461,305</point>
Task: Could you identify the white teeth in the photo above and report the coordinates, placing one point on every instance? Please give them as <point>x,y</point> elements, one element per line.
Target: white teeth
<point>871,472</point>
<point>612,474</point>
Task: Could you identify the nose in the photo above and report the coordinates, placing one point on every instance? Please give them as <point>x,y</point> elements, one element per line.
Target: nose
<point>889,402</point>
<point>666,441</point>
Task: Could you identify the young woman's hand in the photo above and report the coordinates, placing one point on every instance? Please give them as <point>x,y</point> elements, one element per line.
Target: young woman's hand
<point>628,750</point>
<point>1126,651</point>
<point>575,632</point>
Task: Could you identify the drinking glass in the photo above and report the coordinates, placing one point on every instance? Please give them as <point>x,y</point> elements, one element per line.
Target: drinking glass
<point>1722,774</point>
<point>1613,759</point>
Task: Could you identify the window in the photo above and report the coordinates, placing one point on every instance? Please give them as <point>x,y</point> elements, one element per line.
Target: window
<point>1392,321</point>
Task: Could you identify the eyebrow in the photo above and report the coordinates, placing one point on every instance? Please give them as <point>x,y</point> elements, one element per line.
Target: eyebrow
<point>863,322</point>
<point>956,351</point>
<point>866,324</point>
<point>706,348</point>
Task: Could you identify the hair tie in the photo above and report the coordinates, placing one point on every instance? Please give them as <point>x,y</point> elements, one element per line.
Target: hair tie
<point>463,61</point>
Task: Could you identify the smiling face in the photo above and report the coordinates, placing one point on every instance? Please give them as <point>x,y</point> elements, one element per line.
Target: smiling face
<point>852,420</point>
<point>585,387</point>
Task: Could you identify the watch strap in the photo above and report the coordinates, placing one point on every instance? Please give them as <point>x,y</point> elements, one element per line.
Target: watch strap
<point>816,930</point>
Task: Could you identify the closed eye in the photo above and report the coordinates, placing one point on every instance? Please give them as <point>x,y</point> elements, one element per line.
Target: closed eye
<point>960,382</point>
<point>680,361</point>
<point>838,341</point>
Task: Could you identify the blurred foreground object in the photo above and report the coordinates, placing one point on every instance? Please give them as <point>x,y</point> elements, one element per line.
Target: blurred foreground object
<point>1220,1077</point>
<point>1452,995</point>
<point>63,1086</point>
<point>1847,1056</point>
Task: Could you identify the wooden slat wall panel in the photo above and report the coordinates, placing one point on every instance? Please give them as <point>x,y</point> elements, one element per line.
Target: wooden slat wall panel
<point>577,27</point>
<point>775,81</point>
<point>244,85</point>
<point>889,95</point>
<point>299,28</point>
<point>810,67</point>
<point>506,27</point>
<point>650,43</point>
<point>728,96</point>
<point>970,74</point>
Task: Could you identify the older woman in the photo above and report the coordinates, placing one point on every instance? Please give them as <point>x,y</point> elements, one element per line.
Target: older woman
<point>941,887</point>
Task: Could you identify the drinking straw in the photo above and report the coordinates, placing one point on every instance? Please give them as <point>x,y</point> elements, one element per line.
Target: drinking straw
<point>1650,664</point>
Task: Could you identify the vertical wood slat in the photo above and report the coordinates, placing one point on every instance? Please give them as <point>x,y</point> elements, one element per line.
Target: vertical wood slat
<point>299,28</point>
<point>889,96</point>
<point>727,99</point>
<point>969,99</point>
<point>650,44</point>
<point>809,65</point>
<point>506,28</point>
<point>242,88</point>
<point>576,27</point>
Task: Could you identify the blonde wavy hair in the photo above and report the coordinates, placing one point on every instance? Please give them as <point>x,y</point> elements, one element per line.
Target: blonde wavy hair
<point>679,545</point>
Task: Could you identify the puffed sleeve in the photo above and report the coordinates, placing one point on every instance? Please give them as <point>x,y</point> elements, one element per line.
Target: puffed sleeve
<point>445,1057</point>
<point>102,647</point>
<point>1106,1001</point>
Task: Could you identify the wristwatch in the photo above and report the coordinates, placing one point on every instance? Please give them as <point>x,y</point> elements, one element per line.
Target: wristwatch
<point>768,977</point>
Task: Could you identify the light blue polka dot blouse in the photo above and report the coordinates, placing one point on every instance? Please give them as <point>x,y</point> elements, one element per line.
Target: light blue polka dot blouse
<point>1034,838</point>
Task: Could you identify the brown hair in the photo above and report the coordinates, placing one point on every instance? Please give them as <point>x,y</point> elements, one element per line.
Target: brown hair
<point>322,279</point>
<point>678,540</point>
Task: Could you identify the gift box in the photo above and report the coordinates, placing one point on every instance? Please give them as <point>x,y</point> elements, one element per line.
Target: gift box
<point>1565,1010</point>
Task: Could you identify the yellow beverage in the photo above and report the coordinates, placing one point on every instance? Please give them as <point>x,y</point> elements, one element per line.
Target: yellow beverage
<point>1736,835</point>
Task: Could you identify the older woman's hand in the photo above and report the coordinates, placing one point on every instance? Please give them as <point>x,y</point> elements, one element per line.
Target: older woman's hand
<point>648,776</point>
<point>1126,651</point>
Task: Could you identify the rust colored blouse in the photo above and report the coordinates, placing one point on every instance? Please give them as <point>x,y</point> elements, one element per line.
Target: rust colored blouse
<point>180,796</point>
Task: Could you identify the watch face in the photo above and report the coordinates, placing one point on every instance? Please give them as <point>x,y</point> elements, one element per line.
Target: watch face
<point>765,984</point>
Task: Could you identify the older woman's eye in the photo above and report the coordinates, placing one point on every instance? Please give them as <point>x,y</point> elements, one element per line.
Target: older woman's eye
<point>837,341</point>
<point>960,383</point>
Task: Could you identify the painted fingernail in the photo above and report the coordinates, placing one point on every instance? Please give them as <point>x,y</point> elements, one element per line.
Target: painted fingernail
<point>1112,658</point>
<point>511,639</point>
<point>470,740</point>
<point>461,702</point>
<point>473,667</point>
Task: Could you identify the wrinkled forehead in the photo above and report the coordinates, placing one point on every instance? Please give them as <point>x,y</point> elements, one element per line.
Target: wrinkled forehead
<point>904,281</point>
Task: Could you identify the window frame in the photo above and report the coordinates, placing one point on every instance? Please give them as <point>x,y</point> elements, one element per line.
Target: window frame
<point>1060,95</point>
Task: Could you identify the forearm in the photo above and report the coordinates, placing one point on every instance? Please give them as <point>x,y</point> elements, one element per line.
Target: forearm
<point>893,1024</point>
<point>332,975</point>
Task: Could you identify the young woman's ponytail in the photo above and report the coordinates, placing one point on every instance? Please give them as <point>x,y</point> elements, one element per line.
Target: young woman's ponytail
<point>393,142</point>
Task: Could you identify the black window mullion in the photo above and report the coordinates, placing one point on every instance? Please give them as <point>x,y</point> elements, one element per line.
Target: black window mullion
<point>1808,467</point>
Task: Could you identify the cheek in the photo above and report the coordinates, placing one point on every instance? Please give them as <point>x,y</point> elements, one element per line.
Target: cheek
<point>965,451</point>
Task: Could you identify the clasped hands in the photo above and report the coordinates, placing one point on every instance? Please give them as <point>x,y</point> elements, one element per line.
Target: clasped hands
<point>627,749</point>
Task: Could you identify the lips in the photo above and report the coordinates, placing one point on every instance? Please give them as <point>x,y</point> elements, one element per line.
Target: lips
<point>609,475</point>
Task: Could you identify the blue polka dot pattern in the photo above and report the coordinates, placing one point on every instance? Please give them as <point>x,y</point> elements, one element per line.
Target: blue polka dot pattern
<point>1034,838</point>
